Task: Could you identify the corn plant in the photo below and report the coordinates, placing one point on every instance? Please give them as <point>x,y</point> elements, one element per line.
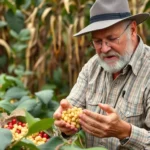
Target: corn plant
<point>37,43</point>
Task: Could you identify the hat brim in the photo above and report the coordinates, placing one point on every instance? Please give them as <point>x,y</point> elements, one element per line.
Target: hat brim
<point>139,18</point>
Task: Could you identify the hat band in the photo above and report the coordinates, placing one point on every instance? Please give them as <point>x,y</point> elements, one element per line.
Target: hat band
<point>109,16</point>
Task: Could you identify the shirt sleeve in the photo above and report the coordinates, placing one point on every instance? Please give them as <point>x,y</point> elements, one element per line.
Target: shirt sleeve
<point>140,137</point>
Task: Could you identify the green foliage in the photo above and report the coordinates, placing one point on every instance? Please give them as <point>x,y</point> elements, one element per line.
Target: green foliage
<point>21,37</point>
<point>6,106</point>
<point>45,96</point>
<point>5,138</point>
<point>24,143</point>
<point>6,82</point>
<point>15,20</point>
<point>36,125</point>
<point>52,143</point>
<point>39,109</point>
<point>15,93</point>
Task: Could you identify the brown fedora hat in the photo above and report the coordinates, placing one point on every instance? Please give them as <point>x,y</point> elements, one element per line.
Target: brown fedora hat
<point>105,13</point>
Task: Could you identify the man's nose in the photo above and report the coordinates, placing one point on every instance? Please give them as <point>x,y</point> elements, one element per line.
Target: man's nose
<point>105,47</point>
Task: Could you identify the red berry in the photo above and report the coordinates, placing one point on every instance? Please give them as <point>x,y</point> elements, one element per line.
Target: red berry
<point>9,123</point>
<point>23,125</point>
<point>19,123</point>
<point>18,131</point>
<point>40,134</point>
<point>10,126</point>
<point>45,136</point>
<point>14,121</point>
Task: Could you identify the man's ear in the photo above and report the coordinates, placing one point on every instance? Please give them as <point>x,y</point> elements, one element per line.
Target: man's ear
<point>134,29</point>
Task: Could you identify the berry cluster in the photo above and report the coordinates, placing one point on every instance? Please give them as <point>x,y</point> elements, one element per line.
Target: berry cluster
<point>20,129</point>
<point>71,116</point>
<point>17,128</point>
<point>39,138</point>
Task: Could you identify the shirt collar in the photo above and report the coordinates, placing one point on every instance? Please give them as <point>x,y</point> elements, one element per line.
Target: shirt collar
<point>135,61</point>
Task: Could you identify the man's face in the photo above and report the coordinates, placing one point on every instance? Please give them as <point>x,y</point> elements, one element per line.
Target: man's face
<point>114,54</point>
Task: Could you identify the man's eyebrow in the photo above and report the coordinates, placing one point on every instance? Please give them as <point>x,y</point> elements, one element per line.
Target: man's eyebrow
<point>110,36</point>
<point>96,38</point>
<point>107,37</point>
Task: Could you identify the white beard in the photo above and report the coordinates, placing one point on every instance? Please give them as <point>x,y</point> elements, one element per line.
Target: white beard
<point>121,63</point>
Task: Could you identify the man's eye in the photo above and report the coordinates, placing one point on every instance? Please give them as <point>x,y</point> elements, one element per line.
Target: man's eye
<point>112,39</point>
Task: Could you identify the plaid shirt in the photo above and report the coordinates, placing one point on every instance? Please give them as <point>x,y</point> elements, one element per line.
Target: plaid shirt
<point>129,94</point>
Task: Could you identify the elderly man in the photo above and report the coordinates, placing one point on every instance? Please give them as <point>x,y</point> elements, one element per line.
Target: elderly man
<point>113,87</point>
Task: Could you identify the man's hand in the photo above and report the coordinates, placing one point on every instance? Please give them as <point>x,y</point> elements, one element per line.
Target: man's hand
<point>109,125</point>
<point>62,125</point>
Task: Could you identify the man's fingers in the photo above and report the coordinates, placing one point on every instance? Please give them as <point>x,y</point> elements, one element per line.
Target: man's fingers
<point>106,108</point>
<point>57,114</point>
<point>65,104</point>
<point>65,127</point>
<point>60,123</point>
<point>93,115</point>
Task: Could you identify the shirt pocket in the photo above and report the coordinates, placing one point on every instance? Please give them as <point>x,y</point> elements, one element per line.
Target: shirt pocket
<point>131,112</point>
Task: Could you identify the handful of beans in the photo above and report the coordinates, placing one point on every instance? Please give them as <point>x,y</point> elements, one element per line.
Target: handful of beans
<point>71,116</point>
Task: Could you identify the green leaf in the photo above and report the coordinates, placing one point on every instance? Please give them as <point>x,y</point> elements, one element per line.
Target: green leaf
<point>14,80</point>
<point>15,20</point>
<point>41,125</point>
<point>24,35</point>
<point>25,98</point>
<point>45,96</point>
<point>26,143</point>
<point>3,24</point>
<point>37,2</point>
<point>14,34</point>
<point>15,93</point>
<point>51,144</point>
<point>28,105</point>
<point>26,4</point>
<point>50,114</point>
<point>5,138</point>
<point>6,106</point>
<point>53,105</point>
<point>2,79</point>
<point>30,119</point>
<point>80,140</point>
<point>37,110</point>
<point>18,47</point>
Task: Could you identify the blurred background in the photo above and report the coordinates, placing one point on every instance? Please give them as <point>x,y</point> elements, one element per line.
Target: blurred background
<point>37,44</point>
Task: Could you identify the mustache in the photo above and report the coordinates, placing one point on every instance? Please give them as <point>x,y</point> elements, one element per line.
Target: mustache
<point>110,53</point>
